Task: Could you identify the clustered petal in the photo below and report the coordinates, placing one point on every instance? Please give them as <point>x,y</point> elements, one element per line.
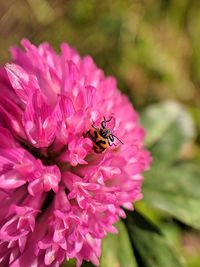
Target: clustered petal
<point>60,198</point>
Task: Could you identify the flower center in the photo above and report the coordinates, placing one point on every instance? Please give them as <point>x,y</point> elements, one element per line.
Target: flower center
<point>46,155</point>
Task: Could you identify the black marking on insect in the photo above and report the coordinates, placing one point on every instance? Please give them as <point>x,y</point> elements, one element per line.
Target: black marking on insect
<point>102,137</point>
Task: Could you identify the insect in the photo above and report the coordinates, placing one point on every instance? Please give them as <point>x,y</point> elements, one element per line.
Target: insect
<point>101,137</point>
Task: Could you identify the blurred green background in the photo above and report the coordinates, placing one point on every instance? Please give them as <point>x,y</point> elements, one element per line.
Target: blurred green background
<point>153,48</point>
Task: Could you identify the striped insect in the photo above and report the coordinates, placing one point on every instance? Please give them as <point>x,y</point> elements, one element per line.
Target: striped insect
<point>102,137</point>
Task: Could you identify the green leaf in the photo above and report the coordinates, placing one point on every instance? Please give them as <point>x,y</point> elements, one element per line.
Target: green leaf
<point>154,249</point>
<point>70,263</point>
<point>87,264</point>
<point>117,250</point>
<point>150,245</point>
<point>175,190</point>
<point>151,213</point>
<point>169,126</point>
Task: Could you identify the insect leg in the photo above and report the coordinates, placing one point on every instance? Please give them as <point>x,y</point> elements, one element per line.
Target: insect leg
<point>114,136</point>
<point>111,140</point>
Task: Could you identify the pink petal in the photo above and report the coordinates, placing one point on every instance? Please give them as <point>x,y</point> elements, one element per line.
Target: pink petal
<point>23,83</point>
<point>64,108</point>
<point>6,139</point>
<point>39,122</point>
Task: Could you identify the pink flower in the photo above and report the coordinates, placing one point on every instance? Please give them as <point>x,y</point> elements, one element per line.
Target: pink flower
<point>59,197</point>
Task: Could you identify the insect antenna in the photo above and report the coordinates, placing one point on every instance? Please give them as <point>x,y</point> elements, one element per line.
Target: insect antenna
<point>93,126</point>
<point>103,123</point>
<point>107,120</point>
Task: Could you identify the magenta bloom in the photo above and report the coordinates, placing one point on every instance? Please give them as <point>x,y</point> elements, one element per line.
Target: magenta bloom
<point>59,198</point>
